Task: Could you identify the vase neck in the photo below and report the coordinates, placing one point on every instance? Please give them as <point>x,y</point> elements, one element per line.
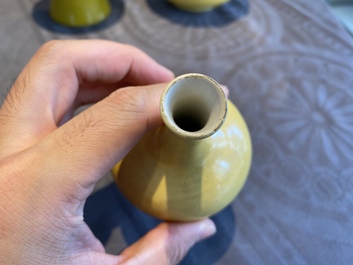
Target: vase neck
<point>179,150</point>
<point>193,106</point>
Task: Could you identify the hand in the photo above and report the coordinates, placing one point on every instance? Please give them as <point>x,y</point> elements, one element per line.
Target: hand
<point>50,162</point>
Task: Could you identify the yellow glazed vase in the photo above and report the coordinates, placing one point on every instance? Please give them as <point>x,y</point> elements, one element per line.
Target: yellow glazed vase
<point>78,13</point>
<point>195,164</point>
<point>197,5</point>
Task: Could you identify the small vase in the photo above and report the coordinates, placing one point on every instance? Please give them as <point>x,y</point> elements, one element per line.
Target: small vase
<point>197,6</point>
<point>78,13</point>
<point>195,164</point>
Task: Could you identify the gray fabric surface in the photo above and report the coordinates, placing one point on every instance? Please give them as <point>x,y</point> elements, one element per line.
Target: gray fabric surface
<point>289,67</point>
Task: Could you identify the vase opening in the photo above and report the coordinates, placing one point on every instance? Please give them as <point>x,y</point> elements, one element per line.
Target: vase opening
<point>188,121</point>
<point>194,106</point>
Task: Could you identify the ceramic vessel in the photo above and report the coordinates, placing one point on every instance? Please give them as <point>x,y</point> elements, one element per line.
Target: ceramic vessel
<point>78,13</point>
<point>195,164</point>
<point>197,5</point>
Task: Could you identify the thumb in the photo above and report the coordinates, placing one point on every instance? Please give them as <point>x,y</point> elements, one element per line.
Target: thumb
<point>168,243</point>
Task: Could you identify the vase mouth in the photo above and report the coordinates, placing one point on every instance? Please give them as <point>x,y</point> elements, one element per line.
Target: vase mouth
<point>193,106</point>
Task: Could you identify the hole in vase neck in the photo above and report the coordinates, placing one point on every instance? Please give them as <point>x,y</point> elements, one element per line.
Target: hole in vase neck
<point>193,106</point>
<point>188,122</point>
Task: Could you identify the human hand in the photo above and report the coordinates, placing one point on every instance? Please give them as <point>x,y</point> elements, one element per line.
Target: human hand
<point>50,162</point>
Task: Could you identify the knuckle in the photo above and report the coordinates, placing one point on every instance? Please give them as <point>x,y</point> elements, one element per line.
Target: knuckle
<point>130,102</point>
<point>132,48</point>
<point>78,130</point>
<point>51,50</point>
<point>51,46</point>
<point>178,250</point>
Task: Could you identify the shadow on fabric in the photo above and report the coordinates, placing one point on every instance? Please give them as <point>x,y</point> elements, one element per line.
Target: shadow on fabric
<point>217,17</point>
<point>108,209</point>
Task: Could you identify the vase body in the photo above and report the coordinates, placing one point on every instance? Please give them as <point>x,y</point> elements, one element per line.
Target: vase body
<point>188,169</point>
<point>197,5</point>
<point>78,13</point>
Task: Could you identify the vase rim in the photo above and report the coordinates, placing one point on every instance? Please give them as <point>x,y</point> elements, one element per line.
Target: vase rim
<point>206,99</point>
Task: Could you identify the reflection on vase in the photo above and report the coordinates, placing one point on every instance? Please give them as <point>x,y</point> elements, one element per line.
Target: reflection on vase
<point>194,165</point>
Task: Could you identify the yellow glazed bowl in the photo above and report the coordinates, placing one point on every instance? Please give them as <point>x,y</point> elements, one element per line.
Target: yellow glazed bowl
<point>197,5</point>
<point>78,13</point>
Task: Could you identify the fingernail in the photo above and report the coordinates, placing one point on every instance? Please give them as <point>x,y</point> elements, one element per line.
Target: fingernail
<point>171,73</point>
<point>207,229</point>
<point>225,89</point>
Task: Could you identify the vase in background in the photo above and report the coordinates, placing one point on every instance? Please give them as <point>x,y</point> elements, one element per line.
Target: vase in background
<point>78,13</point>
<point>197,5</point>
<point>197,162</point>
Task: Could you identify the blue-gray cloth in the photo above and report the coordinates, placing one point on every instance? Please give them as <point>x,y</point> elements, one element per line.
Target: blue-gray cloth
<point>288,65</point>
<point>109,207</point>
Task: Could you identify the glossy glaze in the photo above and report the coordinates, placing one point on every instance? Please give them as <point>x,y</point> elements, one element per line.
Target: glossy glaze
<point>197,5</point>
<point>175,176</point>
<point>77,13</point>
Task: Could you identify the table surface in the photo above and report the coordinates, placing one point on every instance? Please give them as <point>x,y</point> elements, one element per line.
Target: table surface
<point>289,67</point>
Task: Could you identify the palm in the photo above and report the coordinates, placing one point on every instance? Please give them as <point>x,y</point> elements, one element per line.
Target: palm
<point>48,172</point>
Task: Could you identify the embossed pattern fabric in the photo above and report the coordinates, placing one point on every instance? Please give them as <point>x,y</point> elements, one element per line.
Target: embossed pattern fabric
<point>289,67</point>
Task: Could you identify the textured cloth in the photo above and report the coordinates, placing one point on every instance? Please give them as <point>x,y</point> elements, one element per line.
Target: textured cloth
<point>289,67</point>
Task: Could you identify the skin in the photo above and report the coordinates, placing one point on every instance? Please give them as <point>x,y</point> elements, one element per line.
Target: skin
<point>50,160</point>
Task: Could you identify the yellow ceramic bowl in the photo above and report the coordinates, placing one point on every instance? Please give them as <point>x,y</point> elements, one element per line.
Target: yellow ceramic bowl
<point>78,13</point>
<point>197,5</point>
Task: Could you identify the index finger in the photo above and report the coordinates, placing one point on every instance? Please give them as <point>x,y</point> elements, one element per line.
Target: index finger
<point>47,88</point>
